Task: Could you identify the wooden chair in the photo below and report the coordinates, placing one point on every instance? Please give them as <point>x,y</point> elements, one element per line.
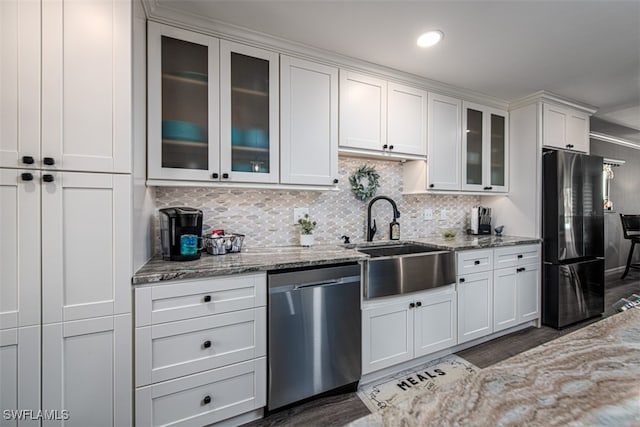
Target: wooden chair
<point>631,231</point>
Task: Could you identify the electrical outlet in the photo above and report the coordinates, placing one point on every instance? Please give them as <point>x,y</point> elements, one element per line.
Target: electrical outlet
<point>299,213</point>
<point>443,214</point>
<point>428,214</point>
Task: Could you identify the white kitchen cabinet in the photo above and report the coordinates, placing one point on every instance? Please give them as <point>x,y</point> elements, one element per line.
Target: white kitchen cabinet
<point>86,247</point>
<point>363,111</point>
<point>309,122</point>
<point>20,37</point>
<point>183,78</point>
<point>381,118</point>
<point>565,128</point>
<point>516,296</point>
<point>20,372</point>
<point>86,85</point>
<point>19,248</point>
<point>398,329</point>
<point>444,143</point>
<point>485,149</point>
<point>475,306</point>
<point>87,370</point>
<point>406,120</point>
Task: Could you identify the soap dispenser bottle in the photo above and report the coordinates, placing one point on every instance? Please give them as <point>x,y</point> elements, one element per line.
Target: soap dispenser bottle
<point>394,230</point>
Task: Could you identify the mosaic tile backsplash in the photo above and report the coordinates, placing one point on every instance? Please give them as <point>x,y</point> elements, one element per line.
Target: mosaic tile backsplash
<point>265,217</point>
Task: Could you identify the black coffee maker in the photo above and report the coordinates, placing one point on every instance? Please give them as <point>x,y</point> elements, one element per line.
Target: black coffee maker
<point>180,233</point>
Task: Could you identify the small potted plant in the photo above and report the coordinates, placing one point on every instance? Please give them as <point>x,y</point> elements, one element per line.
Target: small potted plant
<point>306,230</point>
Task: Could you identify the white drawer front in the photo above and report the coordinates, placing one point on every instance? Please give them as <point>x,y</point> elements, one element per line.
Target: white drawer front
<point>475,261</point>
<point>231,391</point>
<point>172,350</point>
<point>197,298</point>
<point>516,255</point>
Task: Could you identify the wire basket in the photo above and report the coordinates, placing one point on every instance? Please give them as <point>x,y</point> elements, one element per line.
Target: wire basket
<point>220,245</point>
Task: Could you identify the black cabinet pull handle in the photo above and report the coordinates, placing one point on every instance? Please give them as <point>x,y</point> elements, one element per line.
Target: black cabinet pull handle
<point>462,280</point>
<point>26,176</point>
<point>206,344</point>
<point>206,400</point>
<point>391,147</point>
<point>49,161</point>
<point>225,176</point>
<point>431,185</point>
<point>418,304</point>
<point>476,262</point>
<point>335,181</point>
<point>520,256</point>
<point>520,270</point>
<point>28,160</point>
<point>214,175</point>
<point>47,177</point>
<point>385,146</point>
<point>207,298</point>
<point>489,188</point>
<point>412,305</point>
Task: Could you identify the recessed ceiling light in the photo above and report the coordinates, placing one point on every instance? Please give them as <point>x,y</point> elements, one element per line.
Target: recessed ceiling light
<point>430,38</point>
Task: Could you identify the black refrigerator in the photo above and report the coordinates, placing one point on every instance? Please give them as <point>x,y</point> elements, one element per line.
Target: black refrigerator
<point>573,238</point>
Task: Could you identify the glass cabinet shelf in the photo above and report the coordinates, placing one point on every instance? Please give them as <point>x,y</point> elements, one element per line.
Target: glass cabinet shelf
<point>246,91</point>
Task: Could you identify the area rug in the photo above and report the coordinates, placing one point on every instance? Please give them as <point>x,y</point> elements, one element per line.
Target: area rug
<point>389,391</point>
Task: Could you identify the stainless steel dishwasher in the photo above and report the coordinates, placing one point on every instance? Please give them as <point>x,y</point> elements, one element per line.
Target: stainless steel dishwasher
<point>315,332</point>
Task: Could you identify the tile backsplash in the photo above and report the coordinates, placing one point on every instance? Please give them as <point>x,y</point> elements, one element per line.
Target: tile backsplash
<point>265,217</point>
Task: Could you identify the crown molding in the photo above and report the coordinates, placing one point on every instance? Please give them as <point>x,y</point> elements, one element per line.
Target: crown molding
<point>549,97</point>
<point>614,140</point>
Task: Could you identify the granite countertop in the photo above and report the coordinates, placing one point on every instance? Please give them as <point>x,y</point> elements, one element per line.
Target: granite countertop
<point>263,259</point>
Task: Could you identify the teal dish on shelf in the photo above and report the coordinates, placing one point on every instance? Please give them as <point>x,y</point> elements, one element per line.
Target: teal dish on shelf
<point>183,131</point>
<point>256,138</point>
<point>237,136</point>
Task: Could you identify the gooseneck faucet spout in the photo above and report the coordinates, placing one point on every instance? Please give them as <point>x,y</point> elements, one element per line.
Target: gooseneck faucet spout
<point>371,231</point>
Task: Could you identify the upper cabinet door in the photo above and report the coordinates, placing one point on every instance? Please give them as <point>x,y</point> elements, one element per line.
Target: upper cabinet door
<point>565,128</point>
<point>86,270</point>
<point>86,85</point>
<point>578,131</point>
<point>363,111</point>
<point>19,83</point>
<point>407,120</point>
<point>444,143</point>
<point>183,126</point>
<point>19,248</point>
<point>497,170</point>
<point>309,122</point>
<point>249,114</point>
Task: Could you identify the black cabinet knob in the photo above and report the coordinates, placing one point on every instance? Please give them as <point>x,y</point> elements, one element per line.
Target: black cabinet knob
<point>28,160</point>
<point>412,305</point>
<point>207,298</point>
<point>520,256</point>
<point>206,400</point>
<point>385,146</point>
<point>47,177</point>
<point>225,176</point>
<point>26,176</point>
<point>206,344</point>
<point>489,188</point>
<point>476,262</point>
<point>214,175</point>
<point>419,304</point>
<point>431,185</point>
<point>391,147</point>
<point>335,181</point>
<point>49,161</point>
<point>462,280</point>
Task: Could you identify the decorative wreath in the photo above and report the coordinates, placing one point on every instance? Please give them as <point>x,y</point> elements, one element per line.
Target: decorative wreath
<point>364,182</point>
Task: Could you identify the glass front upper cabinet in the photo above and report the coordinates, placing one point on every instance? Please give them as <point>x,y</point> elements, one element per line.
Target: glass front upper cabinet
<point>485,149</point>
<point>249,113</point>
<point>183,80</point>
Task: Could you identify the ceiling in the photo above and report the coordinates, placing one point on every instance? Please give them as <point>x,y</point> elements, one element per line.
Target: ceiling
<point>588,51</point>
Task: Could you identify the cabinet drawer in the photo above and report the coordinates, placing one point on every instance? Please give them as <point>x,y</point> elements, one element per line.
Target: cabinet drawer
<point>204,398</point>
<point>516,255</point>
<point>196,298</point>
<point>475,261</point>
<point>172,350</point>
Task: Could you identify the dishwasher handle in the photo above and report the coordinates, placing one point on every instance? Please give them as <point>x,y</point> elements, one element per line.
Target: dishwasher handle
<point>295,287</point>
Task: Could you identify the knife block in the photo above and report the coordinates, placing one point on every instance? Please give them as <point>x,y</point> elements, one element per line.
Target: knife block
<point>484,229</point>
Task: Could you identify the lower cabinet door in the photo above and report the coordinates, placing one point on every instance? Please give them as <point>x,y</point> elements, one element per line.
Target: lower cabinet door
<point>204,398</point>
<point>505,298</point>
<point>475,306</point>
<point>19,376</point>
<point>435,321</point>
<point>387,334</point>
<point>528,284</point>
<point>86,371</point>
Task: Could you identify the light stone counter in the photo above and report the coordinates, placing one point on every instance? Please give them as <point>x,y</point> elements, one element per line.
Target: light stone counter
<point>263,259</point>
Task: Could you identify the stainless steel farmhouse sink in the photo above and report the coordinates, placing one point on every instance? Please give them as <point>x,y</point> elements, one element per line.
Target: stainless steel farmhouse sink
<point>402,268</point>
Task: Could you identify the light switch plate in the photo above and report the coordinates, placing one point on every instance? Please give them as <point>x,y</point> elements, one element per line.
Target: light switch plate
<point>299,213</point>
<point>428,214</point>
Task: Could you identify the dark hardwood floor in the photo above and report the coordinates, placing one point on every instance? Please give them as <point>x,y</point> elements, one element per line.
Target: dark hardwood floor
<point>342,409</point>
